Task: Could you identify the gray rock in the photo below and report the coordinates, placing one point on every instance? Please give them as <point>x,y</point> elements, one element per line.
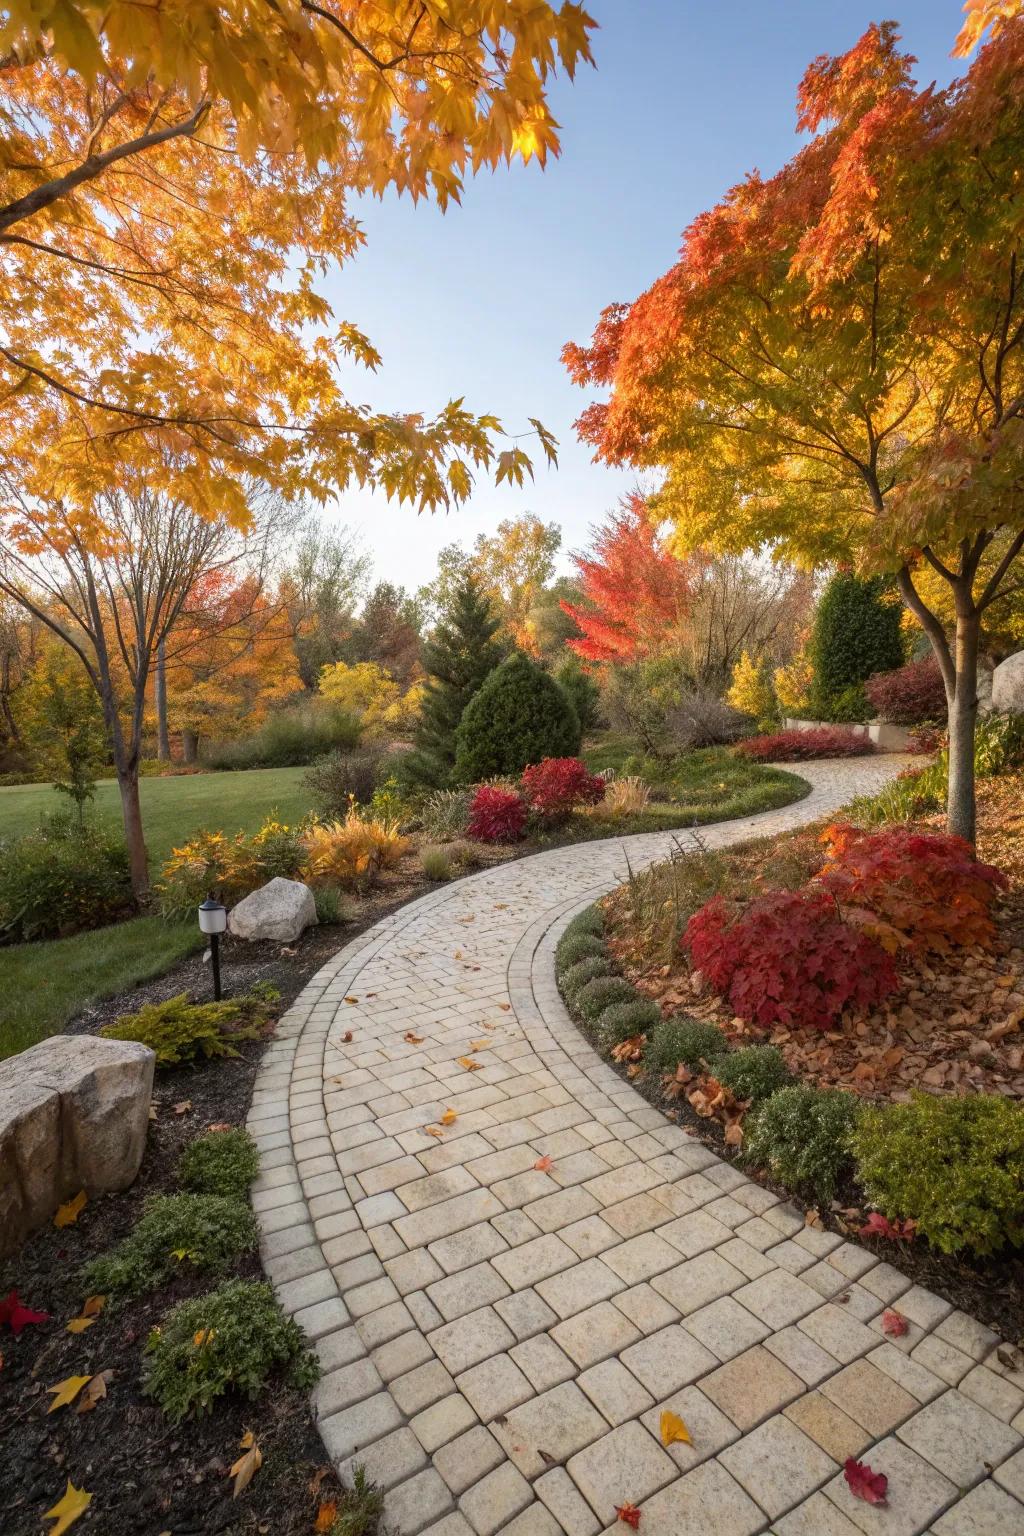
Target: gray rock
<point>1008,685</point>
<point>74,1112</point>
<point>279,910</point>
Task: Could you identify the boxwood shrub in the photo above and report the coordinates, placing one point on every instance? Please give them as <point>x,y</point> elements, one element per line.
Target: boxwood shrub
<point>624,1020</point>
<point>601,993</point>
<point>573,947</point>
<point>754,1072</point>
<point>689,1041</point>
<point>580,975</point>
<point>802,1136</point>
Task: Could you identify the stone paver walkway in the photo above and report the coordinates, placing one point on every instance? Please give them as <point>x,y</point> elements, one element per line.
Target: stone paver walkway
<point>498,1342</point>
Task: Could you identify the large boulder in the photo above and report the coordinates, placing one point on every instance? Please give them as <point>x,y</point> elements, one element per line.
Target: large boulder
<point>279,910</point>
<point>1008,685</point>
<point>74,1111</point>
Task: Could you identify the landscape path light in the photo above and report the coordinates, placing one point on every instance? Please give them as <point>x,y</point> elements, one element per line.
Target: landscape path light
<point>213,919</point>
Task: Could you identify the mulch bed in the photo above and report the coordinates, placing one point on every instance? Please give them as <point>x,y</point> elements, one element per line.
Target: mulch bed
<point>956,1026</point>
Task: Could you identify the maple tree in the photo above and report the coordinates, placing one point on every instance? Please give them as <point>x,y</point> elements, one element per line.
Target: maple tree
<point>172,181</point>
<point>633,589</point>
<point>834,367</point>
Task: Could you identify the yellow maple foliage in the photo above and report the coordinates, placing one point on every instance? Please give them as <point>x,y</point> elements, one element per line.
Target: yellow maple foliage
<point>67,1510</point>
<point>65,1392</point>
<point>68,1213</point>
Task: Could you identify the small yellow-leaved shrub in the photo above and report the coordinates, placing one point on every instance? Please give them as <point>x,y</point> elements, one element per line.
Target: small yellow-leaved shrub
<point>353,851</point>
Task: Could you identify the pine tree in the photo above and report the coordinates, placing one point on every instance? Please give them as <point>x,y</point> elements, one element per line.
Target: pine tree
<point>459,656</point>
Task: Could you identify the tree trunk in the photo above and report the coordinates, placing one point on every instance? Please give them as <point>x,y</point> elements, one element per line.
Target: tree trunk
<point>963,714</point>
<point>131,810</point>
<point>163,739</point>
<point>189,746</point>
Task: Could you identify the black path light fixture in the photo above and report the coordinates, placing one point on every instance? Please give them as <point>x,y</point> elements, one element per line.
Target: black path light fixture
<point>213,919</point>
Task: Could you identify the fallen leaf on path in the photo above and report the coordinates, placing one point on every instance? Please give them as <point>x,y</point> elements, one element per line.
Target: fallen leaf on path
<point>894,1323</point>
<point>546,1457</point>
<point>17,1316</point>
<point>95,1391</point>
<point>470,1066</point>
<point>412,1038</point>
<point>505,1007</point>
<point>449,1117</point>
<point>543,1164</point>
<point>480,1045</point>
<point>1011,1357</point>
<point>246,1467</point>
<point>673,1429</point>
<point>65,1392</point>
<point>346,1038</point>
<point>69,1213</point>
<point>629,1514</point>
<point>351,1000</point>
<point>67,1510</point>
<point>435,1131</point>
<point>865,1484</point>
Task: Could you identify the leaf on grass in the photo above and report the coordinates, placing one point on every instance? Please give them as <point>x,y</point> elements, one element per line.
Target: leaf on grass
<point>894,1323</point>
<point>543,1164</point>
<point>346,1038</point>
<point>470,1066</point>
<point>865,1484</point>
<point>449,1117</point>
<point>69,1213</point>
<point>245,1468</point>
<point>673,1429</point>
<point>17,1316</point>
<point>203,1337</point>
<point>95,1391</point>
<point>67,1510</point>
<point>325,1515</point>
<point>65,1392</point>
<point>412,1038</point>
<point>629,1514</point>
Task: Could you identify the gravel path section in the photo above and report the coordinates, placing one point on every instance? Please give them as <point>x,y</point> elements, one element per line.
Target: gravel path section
<point>499,1341</point>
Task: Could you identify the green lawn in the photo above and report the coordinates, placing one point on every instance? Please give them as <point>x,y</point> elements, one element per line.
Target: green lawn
<point>42,986</point>
<point>712,784</point>
<point>174,808</point>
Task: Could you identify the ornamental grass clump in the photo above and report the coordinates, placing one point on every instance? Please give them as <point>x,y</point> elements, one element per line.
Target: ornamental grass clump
<point>802,1136</point>
<point>234,1338</point>
<point>220,1163</point>
<point>687,1042</point>
<point>955,1167</point>
<point>208,1232</point>
<point>580,975</point>
<point>601,993</point>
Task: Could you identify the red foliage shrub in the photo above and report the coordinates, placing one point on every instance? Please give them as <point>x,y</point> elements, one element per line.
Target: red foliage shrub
<point>496,815</point>
<point>789,959</point>
<point>558,785</point>
<point>910,695</point>
<point>798,746</point>
<point>926,740</point>
<point>927,889</point>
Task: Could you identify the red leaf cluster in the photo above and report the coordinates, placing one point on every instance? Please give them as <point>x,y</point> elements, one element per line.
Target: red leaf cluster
<point>910,695</point>
<point>789,959</point>
<point>555,787</point>
<point>929,888</point>
<point>878,1225</point>
<point>496,815</point>
<point>800,746</point>
<point>17,1316</point>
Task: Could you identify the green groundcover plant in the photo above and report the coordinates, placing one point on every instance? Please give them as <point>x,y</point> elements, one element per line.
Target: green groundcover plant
<point>208,1232</point>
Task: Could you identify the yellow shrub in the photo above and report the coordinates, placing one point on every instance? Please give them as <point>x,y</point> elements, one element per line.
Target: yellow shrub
<point>751,691</point>
<point>353,851</point>
<point>793,684</point>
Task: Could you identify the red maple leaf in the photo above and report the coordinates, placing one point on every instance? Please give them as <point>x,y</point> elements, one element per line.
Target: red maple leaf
<point>865,1484</point>
<point>629,1514</point>
<point>17,1316</point>
<point>878,1225</point>
<point>894,1323</point>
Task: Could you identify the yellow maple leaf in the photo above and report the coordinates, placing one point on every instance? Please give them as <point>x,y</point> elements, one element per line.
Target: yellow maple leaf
<point>673,1429</point>
<point>65,1392</point>
<point>69,1213</point>
<point>245,1468</point>
<point>470,1066</point>
<point>449,1117</point>
<point>80,1324</point>
<point>67,1510</point>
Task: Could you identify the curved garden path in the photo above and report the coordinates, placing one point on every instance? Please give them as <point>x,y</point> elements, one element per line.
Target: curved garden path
<point>498,1342</point>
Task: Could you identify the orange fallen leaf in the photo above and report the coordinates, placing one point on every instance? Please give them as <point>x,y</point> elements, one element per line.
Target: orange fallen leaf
<point>69,1213</point>
<point>479,1045</point>
<point>629,1514</point>
<point>543,1164</point>
<point>449,1117</point>
<point>79,1324</point>
<point>65,1392</point>
<point>95,1391</point>
<point>183,1107</point>
<point>435,1131</point>
<point>67,1510</point>
<point>505,1007</point>
<point>220,1125</point>
<point>673,1429</point>
<point>413,1039</point>
<point>246,1467</point>
<point>351,1000</point>
<point>204,1336</point>
<point>325,1515</point>
<point>470,1066</point>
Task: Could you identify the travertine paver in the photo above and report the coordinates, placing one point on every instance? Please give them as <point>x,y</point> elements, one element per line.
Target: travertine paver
<point>499,1340</point>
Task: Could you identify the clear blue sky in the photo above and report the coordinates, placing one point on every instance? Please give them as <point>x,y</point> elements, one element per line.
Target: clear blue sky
<point>686,97</point>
